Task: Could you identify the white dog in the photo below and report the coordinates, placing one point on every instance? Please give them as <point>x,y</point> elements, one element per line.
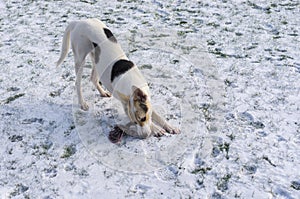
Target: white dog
<point>117,73</point>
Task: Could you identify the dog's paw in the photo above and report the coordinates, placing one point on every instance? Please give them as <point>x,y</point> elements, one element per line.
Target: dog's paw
<point>105,94</point>
<point>84,106</point>
<point>171,129</point>
<point>158,131</point>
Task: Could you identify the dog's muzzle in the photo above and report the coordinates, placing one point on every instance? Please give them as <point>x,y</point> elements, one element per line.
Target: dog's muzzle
<point>144,131</point>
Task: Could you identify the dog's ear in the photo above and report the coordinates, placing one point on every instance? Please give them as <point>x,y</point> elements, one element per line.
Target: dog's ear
<point>138,94</point>
<point>124,98</point>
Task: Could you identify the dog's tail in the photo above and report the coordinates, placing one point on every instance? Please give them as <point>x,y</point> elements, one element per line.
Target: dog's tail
<point>65,43</point>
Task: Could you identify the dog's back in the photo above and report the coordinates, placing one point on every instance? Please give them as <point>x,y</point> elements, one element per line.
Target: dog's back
<point>82,35</point>
<point>92,35</point>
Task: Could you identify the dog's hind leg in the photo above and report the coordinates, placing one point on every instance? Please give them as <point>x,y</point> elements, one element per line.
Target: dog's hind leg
<point>79,58</point>
<point>95,78</point>
<point>81,48</point>
<point>78,69</point>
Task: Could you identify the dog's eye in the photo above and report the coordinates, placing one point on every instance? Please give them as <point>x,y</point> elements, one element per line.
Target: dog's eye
<point>144,107</point>
<point>143,119</point>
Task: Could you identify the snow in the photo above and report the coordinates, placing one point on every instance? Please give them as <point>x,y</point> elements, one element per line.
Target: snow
<point>227,73</point>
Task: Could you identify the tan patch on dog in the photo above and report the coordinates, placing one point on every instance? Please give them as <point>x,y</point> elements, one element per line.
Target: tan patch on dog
<point>142,105</point>
<point>138,112</point>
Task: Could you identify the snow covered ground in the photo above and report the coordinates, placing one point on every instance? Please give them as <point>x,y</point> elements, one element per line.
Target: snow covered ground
<point>227,73</point>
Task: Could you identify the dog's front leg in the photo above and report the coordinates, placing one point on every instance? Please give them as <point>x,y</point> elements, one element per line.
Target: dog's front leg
<point>164,124</point>
<point>95,78</point>
<point>157,131</point>
<point>95,81</point>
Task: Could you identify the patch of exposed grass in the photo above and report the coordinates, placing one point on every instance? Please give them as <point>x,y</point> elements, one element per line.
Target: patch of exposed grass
<point>202,170</point>
<point>13,98</point>
<point>222,184</point>
<point>68,151</point>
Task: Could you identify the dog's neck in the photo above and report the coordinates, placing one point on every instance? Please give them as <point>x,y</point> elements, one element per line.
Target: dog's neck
<point>133,77</point>
<point>110,53</point>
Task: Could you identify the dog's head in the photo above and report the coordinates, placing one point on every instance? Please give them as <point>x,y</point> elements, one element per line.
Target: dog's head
<point>139,110</point>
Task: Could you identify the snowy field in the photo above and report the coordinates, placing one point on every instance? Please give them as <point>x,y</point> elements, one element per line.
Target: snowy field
<point>227,73</point>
